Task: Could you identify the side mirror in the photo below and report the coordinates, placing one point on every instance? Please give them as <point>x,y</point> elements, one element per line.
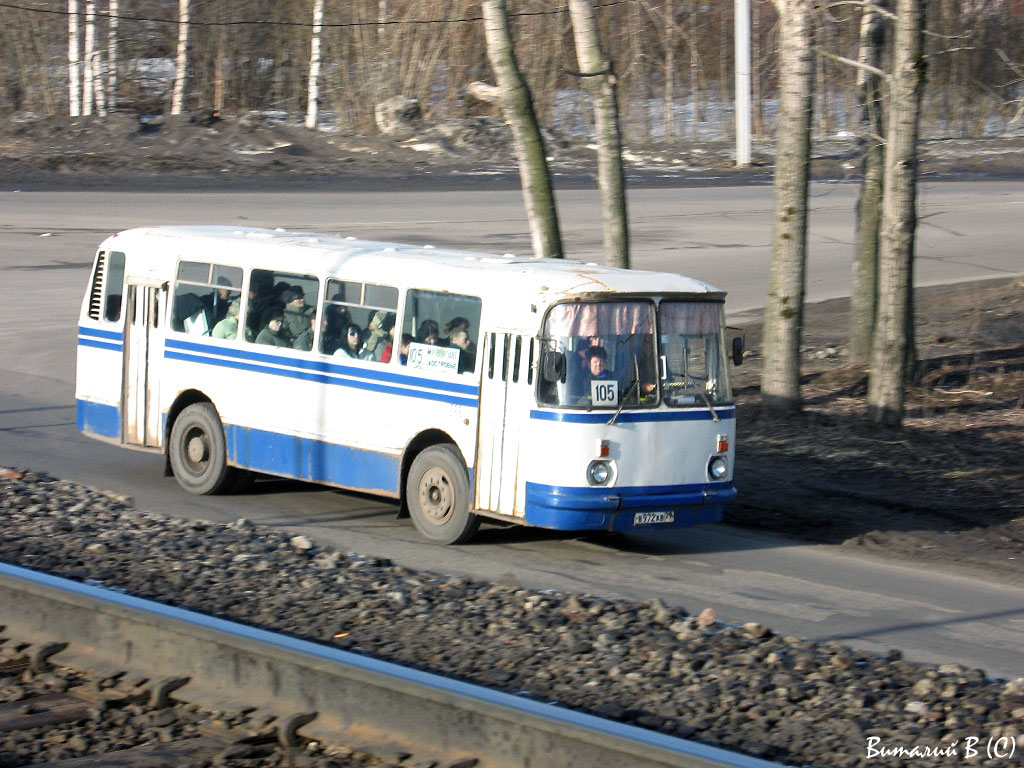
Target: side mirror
<point>552,366</point>
<point>737,350</point>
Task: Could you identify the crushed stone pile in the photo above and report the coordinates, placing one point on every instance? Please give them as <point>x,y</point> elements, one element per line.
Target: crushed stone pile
<point>738,687</point>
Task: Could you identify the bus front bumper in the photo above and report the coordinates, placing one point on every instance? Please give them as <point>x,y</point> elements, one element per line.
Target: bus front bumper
<point>626,508</point>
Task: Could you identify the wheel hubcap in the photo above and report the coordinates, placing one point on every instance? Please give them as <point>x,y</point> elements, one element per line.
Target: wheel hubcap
<point>197,451</point>
<point>436,496</point>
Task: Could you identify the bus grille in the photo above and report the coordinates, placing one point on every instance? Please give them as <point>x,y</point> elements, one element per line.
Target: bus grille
<point>96,292</point>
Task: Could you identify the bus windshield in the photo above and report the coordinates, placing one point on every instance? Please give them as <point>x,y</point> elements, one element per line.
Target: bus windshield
<point>693,346</point>
<point>609,354</point>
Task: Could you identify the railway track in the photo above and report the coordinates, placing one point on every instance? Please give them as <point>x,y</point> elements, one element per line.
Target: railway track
<point>141,658</point>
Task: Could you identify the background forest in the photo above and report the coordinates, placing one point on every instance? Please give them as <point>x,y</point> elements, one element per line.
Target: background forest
<point>673,60</point>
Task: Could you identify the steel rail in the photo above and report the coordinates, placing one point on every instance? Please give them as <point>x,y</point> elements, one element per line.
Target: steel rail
<point>359,701</point>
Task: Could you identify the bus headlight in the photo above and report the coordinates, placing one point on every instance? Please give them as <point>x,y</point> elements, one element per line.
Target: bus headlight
<point>718,468</point>
<point>598,473</point>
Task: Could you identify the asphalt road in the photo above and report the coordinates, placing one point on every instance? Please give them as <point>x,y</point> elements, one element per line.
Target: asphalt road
<point>968,231</point>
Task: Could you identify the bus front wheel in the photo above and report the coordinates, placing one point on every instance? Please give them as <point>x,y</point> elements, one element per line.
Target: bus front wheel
<point>197,451</point>
<point>437,491</point>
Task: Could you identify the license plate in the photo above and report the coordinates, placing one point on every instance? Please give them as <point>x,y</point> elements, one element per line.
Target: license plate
<point>646,518</point>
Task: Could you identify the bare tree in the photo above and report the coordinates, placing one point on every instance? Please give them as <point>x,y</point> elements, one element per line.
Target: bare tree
<point>529,145</point>
<point>784,305</point>
<point>74,63</point>
<point>892,351</point>
<point>596,71</point>
<point>112,32</point>
<point>181,66</point>
<point>313,97</point>
<point>89,79</point>
<point>670,36</point>
<point>864,294</point>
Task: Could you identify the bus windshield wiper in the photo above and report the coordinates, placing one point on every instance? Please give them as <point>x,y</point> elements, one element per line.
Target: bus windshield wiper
<point>707,402</point>
<point>622,400</point>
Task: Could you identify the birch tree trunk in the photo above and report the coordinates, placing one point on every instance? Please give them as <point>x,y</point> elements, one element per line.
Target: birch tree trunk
<point>89,75</point>
<point>784,305</point>
<point>99,71</point>
<point>112,32</point>
<point>313,99</point>
<point>74,64</point>
<point>597,73</point>
<point>517,106</point>
<point>670,68</point>
<point>893,352</point>
<point>181,68</point>
<point>864,294</point>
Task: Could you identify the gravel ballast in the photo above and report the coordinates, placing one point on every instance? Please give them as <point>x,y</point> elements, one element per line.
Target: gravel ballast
<point>738,687</point>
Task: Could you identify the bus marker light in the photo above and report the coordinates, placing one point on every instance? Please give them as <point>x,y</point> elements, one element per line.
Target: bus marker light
<point>723,444</point>
<point>603,449</point>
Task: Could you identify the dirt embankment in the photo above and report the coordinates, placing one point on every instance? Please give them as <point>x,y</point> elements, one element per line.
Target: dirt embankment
<point>947,488</point>
<point>250,150</point>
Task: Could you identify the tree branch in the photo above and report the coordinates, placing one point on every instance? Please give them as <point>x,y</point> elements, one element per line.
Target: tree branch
<point>865,4</point>
<point>859,65</point>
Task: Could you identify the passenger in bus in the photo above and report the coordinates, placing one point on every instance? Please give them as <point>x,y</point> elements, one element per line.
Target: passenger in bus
<point>333,326</point>
<point>222,299</point>
<point>228,327</point>
<point>188,311</point>
<point>596,370</point>
<point>304,340</point>
<point>377,332</point>
<point>261,298</point>
<point>453,325</point>
<point>273,329</point>
<point>389,325</point>
<point>296,312</point>
<point>352,344</point>
<point>427,332</point>
<point>467,353</point>
<point>583,345</point>
<point>403,348</point>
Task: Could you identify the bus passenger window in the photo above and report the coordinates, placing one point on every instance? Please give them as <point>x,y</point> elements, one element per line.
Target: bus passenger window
<point>369,309</point>
<point>281,309</point>
<point>445,328</point>
<point>203,296</point>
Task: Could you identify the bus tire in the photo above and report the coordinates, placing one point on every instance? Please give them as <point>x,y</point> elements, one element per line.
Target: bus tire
<point>437,492</point>
<point>197,451</point>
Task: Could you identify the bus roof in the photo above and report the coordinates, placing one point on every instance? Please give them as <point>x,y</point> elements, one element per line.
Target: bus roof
<point>551,279</point>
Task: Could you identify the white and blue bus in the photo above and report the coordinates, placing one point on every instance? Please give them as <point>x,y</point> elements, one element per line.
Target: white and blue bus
<point>543,392</point>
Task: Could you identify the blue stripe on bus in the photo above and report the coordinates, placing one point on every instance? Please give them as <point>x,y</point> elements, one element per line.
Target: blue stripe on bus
<point>632,416</point>
<point>97,419</point>
<point>322,367</point>
<point>112,335</point>
<point>320,378</point>
<point>600,508</point>
<point>99,345</point>
<point>312,460</point>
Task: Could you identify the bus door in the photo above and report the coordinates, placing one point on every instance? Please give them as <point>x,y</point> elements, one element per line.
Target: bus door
<point>504,403</point>
<point>140,385</point>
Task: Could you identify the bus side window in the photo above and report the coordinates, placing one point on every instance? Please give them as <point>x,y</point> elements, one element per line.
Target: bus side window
<point>372,309</point>
<point>110,273</point>
<point>203,294</point>
<point>445,328</point>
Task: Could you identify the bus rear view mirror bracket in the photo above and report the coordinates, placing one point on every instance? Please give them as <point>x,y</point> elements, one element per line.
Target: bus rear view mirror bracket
<point>552,368</point>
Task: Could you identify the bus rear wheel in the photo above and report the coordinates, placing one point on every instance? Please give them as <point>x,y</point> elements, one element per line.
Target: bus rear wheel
<point>197,451</point>
<point>437,492</point>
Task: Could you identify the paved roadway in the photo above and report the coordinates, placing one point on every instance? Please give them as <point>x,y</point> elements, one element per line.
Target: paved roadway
<point>968,231</point>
